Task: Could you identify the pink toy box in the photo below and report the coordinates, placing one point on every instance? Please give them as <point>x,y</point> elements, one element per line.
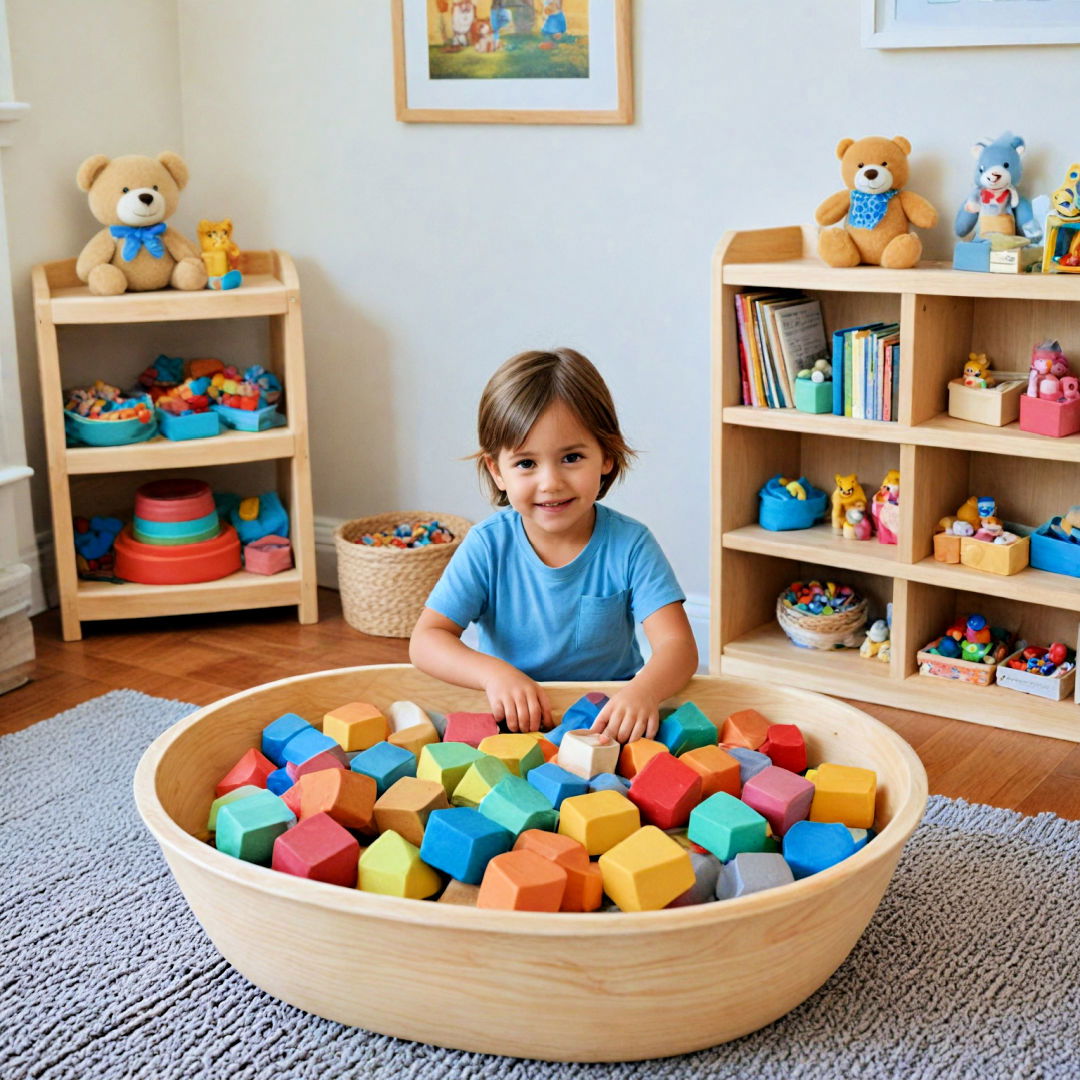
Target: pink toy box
<point>1057,418</point>
<point>270,555</point>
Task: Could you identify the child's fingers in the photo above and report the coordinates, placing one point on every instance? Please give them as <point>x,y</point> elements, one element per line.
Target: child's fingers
<point>536,711</point>
<point>637,730</point>
<point>653,726</point>
<point>545,709</point>
<point>498,710</point>
<point>602,718</point>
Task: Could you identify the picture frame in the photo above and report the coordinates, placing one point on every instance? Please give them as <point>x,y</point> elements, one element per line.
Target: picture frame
<point>928,24</point>
<point>536,62</point>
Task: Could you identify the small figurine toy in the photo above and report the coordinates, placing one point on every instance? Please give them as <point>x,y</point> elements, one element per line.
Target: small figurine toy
<point>977,371</point>
<point>856,523</point>
<point>885,508</point>
<point>820,372</point>
<point>877,645</point>
<point>1048,365</point>
<point>1061,252</point>
<point>848,493</point>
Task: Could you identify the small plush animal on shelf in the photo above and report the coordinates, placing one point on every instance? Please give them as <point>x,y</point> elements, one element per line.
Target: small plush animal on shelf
<point>1048,365</point>
<point>994,203</point>
<point>848,493</point>
<point>819,373</point>
<point>977,371</point>
<point>885,508</point>
<point>877,645</point>
<point>856,523</point>
<point>220,254</point>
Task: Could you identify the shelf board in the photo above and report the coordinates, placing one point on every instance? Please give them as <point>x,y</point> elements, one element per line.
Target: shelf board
<point>237,592</point>
<point>817,545</point>
<point>817,423</point>
<point>1030,585</point>
<point>160,453</point>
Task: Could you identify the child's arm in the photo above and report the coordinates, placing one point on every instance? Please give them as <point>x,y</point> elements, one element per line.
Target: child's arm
<point>635,710</point>
<point>436,648</point>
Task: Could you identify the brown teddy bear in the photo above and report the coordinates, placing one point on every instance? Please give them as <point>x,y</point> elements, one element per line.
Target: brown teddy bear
<point>132,196</point>
<point>878,212</point>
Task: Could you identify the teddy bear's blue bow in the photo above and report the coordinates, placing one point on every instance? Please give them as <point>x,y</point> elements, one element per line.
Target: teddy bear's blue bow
<point>867,210</point>
<point>137,236</point>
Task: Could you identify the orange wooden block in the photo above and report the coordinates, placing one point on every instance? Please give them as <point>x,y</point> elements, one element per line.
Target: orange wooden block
<point>584,882</point>
<point>348,797</point>
<point>746,728</point>
<point>414,738</point>
<point>291,798</point>
<point>405,805</point>
<point>719,771</point>
<point>522,881</point>
<point>637,754</point>
<point>252,768</point>
<point>356,726</point>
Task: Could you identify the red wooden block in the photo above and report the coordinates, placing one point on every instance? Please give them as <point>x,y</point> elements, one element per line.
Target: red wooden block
<point>780,797</point>
<point>746,728</point>
<point>469,727</point>
<point>665,791</point>
<point>785,747</point>
<point>320,849</point>
<point>252,768</point>
<point>334,758</point>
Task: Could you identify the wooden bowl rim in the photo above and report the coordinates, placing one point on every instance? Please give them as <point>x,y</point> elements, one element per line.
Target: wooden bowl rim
<point>456,917</point>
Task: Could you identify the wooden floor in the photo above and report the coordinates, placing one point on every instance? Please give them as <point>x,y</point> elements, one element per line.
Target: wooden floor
<point>203,658</point>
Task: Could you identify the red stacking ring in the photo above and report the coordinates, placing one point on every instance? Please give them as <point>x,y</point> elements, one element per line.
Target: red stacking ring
<point>177,564</point>
<point>174,500</point>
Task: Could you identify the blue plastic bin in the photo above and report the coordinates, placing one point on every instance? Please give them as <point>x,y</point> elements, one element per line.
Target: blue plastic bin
<point>192,426</point>
<point>1057,556</point>
<point>249,419</point>
<point>83,432</point>
<point>779,512</point>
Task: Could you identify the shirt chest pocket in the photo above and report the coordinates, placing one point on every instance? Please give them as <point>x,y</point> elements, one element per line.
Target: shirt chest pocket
<point>600,617</point>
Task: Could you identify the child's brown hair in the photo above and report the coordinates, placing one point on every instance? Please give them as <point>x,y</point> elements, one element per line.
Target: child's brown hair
<point>522,389</point>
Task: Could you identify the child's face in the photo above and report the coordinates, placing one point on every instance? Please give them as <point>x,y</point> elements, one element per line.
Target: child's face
<point>553,478</point>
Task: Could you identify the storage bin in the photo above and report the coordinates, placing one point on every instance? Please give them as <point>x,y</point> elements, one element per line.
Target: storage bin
<point>1056,556</point>
<point>946,667</point>
<point>994,407</point>
<point>1056,687</point>
<point>1057,418</point>
<point>778,512</point>
<point>1002,559</point>
<point>946,547</point>
<point>813,397</point>
<point>249,419</point>
<point>842,630</point>
<point>81,431</point>
<point>383,589</point>
<point>202,425</point>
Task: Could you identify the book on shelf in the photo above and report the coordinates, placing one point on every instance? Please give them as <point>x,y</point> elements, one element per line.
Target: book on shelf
<point>866,371</point>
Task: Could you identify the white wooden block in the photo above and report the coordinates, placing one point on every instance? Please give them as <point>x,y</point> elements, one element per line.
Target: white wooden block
<point>406,714</point>
<point>588,753</point>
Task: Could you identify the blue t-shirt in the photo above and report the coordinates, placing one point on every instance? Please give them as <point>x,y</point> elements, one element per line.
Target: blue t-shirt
<point>573,622</point>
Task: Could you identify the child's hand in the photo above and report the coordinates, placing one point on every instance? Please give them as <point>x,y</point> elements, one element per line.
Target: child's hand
<point>515,698</point>
<point>628,715</point>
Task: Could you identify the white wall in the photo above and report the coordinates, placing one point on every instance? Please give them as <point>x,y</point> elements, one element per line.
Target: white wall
<point>419,274</point>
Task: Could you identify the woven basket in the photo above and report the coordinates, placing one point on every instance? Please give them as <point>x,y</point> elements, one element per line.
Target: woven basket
<point>839,631</point>
<point>383,589</point>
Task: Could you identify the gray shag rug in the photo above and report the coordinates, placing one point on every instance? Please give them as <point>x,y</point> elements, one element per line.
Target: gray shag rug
<point>971,967</point>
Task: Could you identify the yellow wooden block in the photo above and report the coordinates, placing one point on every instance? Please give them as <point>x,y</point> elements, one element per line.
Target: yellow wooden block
<point>599,820</point>
<point>356,726</point>
<point>843,793</point>
<point>480,777</point>
<point>646,871</point>
<point>415,738</point>
<point>392,866</point>
<point>519,752</point>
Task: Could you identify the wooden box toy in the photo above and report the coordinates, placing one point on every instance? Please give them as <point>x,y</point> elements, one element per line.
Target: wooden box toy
<point>1049,417</point>
<point>406,714</point>
<point>480,777</point>
<point>1055,687</point>
<point>392,866</point>
<point>584,882</point>
<point>751,762</point>
<point>706,869</point>
<point>947,667</point>
<point>813,397</point>
<point>269,555</point>
<point>355,940</point>
<point>646,871</point>
<point>304,745</point>
<point>459,894</point>
<point>324,759</point>
<point>1004,559</point>
<point>405,807</point>
<point>947,547</point>
<point>232,796</point>
<point>414,739</point>
<point>1058,555</point>
<point>993,406</point>
<point>584,711</point>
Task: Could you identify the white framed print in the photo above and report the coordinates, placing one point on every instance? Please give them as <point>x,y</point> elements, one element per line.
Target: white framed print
<point>922,24</point>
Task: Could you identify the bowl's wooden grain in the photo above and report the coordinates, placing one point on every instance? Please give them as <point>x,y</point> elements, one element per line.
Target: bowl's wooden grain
<point>588,987</point>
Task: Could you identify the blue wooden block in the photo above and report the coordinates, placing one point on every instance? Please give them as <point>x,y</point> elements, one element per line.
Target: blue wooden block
<point>812,846</point>
<point>972,255</point>
<point>247,828</point>
<point>751,762</point>
<point>687,728</point>
<point>750,872</point>
<point>277,734</point>
<point>279,781</point>
<point>516,805</point>
<point>461,842</point>
<point>556,784</point>
<point>385,764</point>
<point>585,710</point>
<point>556,734</point>
<point>862,837</point>
<point>306,744</point>
<point>608,781</point>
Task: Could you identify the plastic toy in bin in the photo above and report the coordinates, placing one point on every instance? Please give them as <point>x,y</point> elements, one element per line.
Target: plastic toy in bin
<point>94,540</point>
<point>1045,671</point>
<point>1051,405</point>
<point>968,651</point>
<point>790,504</point>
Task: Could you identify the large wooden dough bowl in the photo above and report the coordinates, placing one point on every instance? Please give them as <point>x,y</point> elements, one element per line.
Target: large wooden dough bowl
<point>587,987</point>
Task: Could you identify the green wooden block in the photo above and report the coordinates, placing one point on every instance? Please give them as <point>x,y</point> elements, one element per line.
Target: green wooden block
<point>446,763</point>
<point>247,828</point>
<point>516,805</point>
<point>725,826</point>
<point>687,728</point>
<point>478,780</point>
<point>229,797</point>
<point>392,866</point>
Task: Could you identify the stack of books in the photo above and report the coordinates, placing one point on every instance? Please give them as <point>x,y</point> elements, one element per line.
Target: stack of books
<point>866,371</point>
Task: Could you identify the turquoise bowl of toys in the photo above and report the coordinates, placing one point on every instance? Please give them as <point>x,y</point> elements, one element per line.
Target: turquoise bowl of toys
<point>601,986</point>
<point>82,431</point>
<point>781,511</point>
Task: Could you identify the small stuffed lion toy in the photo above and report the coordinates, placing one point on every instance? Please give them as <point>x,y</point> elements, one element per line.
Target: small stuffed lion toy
<point>849,493</point>
<point>132,197</point>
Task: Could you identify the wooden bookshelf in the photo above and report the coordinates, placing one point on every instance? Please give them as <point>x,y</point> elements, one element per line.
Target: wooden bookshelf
<point>944,314</point>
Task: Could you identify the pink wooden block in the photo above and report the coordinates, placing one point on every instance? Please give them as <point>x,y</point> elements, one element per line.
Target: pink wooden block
<point>320,849</point>
<point>469,727</point>
<point>270,555</point>
<point>779,796</point>
<point>1049,417</point>
<point>334,758</point>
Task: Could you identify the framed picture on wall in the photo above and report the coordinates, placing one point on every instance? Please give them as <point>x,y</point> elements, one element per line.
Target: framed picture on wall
<point>513,61</point>
<point>922,24</point>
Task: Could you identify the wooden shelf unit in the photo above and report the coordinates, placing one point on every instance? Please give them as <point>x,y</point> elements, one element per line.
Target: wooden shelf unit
<point>271,290</point>
<point>944,314</point>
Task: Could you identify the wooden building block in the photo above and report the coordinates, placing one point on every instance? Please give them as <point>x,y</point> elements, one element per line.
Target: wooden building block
<point>406,714</point>
<point>599,820</point>
<point>522,881</point>
<point>555,735</point>
<point>320,849</point>
<point>462,841</point>
<point>520,753</point>
<point>584,711</point>
<point>635,755</point>
<point>247,828</point>
<point>348,797</point>
<point>646,871</point>
<point>385,764</point>
<point>480,777</point>
<point>556,784</point>
<point>588,753</point>
<point>447,763</point>
<point>516,805</point>
<point>706,873</point>
<point>414,738</point>
<point>457,892</point>
<point>469,727</point>
<point>547,747</point>
<point>291,798</point>
<point>229,797</point>
<point>275,735</point>
<point>751,872</point>
<point>250,771</point>
<point>687,728</point>
<point>608,781</point>
<point>781,797</point>
<point>405,806</point>
<point>751,762</point>
<point>718,770</point>
<point>843,793</point>
<point>813,846</point>
<point>725,826</point>
<point>356,726</point>
<point>304,745</point>
<point>861,837</point>
<point>665,792</point>
<point>784,746</point>
<point>584,882</point>
<point>333,758</point>
<point>746,728</point>
<point>279,781</point>
<point>392,866</point>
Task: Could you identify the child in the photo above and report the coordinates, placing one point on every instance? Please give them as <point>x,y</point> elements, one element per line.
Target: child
<point>556,581</point>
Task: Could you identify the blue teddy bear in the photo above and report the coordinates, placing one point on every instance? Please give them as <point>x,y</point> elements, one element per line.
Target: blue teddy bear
<point>999,165</point>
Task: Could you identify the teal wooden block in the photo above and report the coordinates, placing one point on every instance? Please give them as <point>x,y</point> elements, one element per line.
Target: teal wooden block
<point>247,828</point>
<point>277,734</point>
<point>813,846</point>
<point>385,764</point>
<point>462,841</point>
<point>229,797</point>
<point>516,805</point>
<point>687,728</point>
<point>725,826</point>
<point>751,872</point>
<point>813,397</point>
